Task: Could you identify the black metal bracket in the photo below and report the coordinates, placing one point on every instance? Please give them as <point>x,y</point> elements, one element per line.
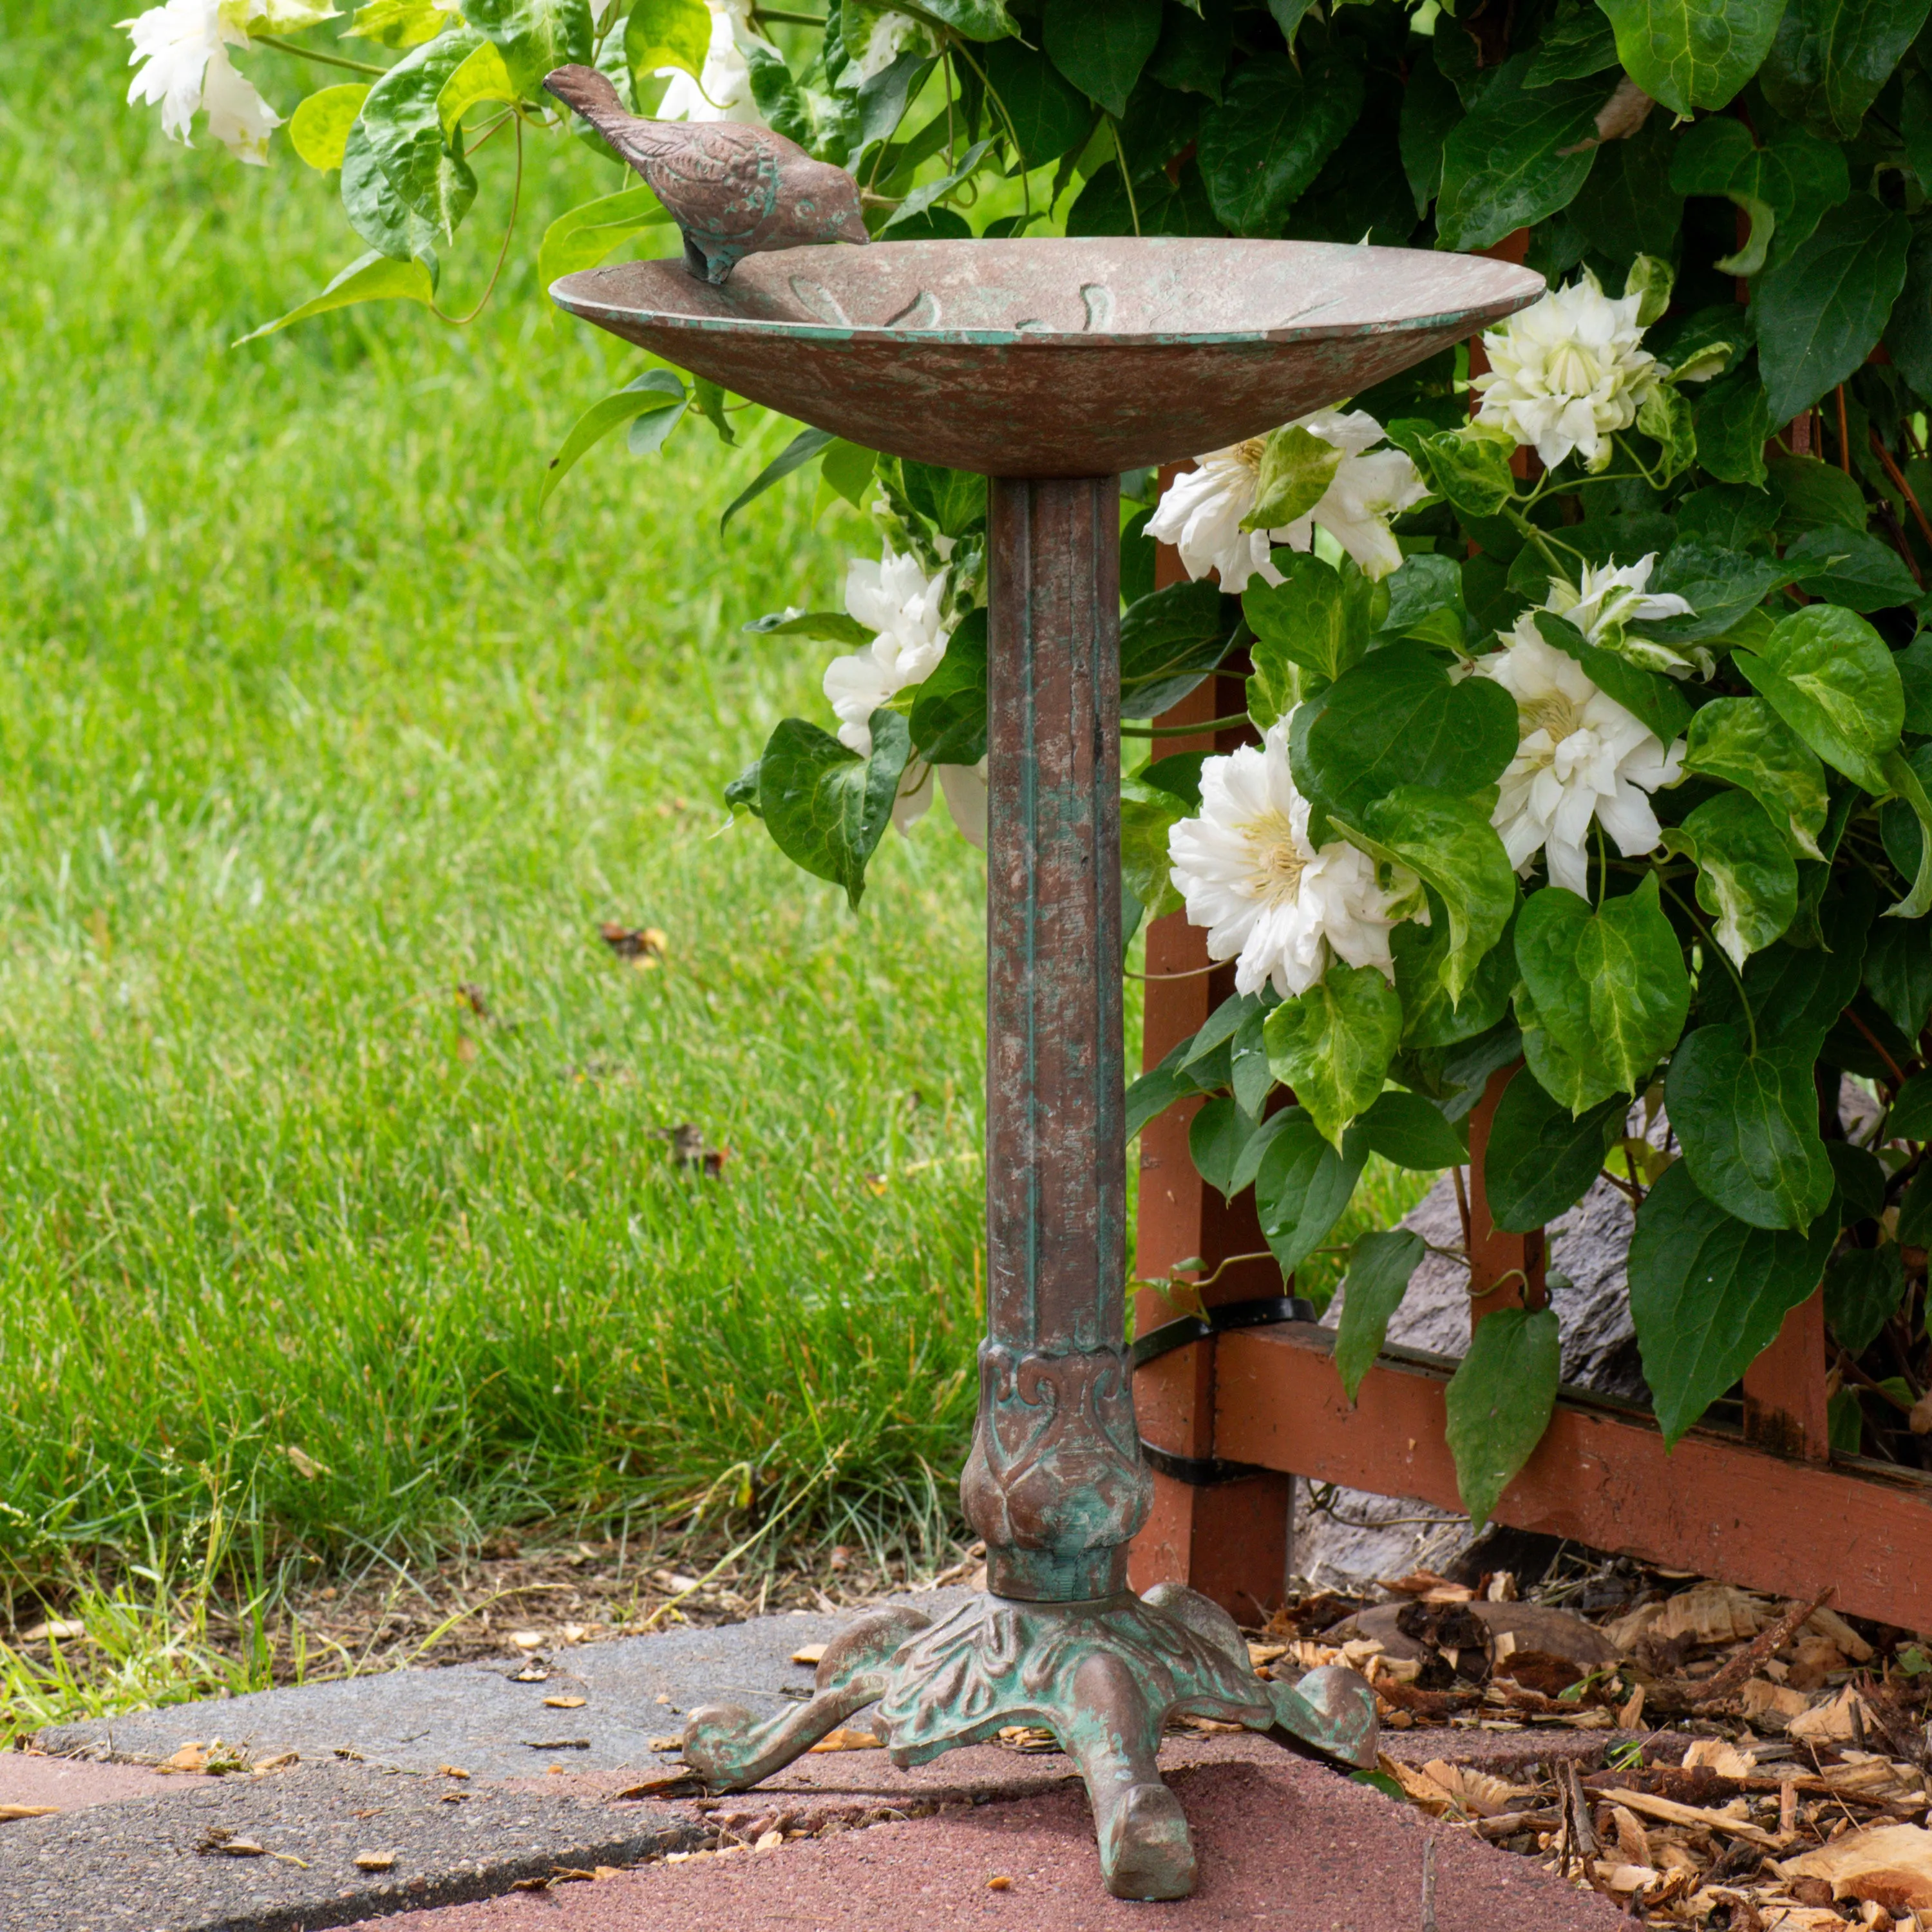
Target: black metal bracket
<point>1263,1313</point>
<point>1198,1472</point>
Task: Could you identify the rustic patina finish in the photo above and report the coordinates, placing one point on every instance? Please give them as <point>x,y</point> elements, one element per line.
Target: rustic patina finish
<point>1054,357</point>
<point>1050,365</point>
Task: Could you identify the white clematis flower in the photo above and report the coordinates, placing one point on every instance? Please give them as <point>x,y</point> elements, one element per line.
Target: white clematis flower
<point>1582,759</point>
<point>1202,512</point>
<point>1608,598</point>
<point>181,53</point>
<point>1567,373</point>
<point>1270,900</point>
<point>722,90</point>
<point>907,609</point>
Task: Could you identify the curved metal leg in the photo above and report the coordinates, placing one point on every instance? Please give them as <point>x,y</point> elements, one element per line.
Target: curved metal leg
<point>1113,1735</point>
<point>731,1750</point>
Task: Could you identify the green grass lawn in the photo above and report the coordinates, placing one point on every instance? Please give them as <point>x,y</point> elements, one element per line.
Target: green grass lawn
<point>304,719</point>
<point>307,721</point>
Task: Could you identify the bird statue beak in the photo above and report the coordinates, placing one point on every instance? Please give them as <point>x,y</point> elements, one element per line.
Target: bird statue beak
<point>854,229</point>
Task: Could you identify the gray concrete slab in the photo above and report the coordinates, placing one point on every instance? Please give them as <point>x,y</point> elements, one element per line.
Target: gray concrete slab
<point>479,1717</point>
<point>153,1863</point>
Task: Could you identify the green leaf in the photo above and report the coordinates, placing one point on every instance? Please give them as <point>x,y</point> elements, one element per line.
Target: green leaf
<point>1268,140</point>
<point>1147,814</point>
<point>1902,775</point>
<point>1333,1044</point>
<point>1914,1210</point>
<point>977,19</point>
<point>1541,1161</point>
<point>1377,1278</point>
<point>1898,973</point>
<point>1812,495</point>
<point>1785,188</point>
<point>583,235</point>
<point>1748,1123</point>
<point>1573,49</point>
<point>1449,843</point>
<point>1158,1088</point>
<point>1911,1116</point>
<point>1747,878</point>
<point>1430,109</point>
<point>1519,156</point>
<point>398,23</point>
<point>369,278</point>
<point>949,710</point>
<point>928,192</point>
<point>1628,208</point>
<point>1665,416</point>
<point>1303,1186</point>
<point>1168,643</point>
<point>1050,116</point>
<point>1608,988</point>
<point>1425,601</point>
<point>656,390</point>
<point>1708,1293</point>
<point>1829,675</point>
<point>801,449</point>
<point>1820,314</point>
<point>535,36</point>
<point>825,807</point>
<point>1216,1137</point>
<point>1429,1018</point>
<point>406,136</point>
<point>667,33</point>
<point>1744,742</point>
<point>1853,567</point>
<point>1395,719</point>
<point>1408,1131</point>
<point>377,212</point>
<point>1728,517</point>
<point>480,76</point>
<point>1720,586</point>
<point>954,499</point>
<point>1908,332</point>
<point>1193,52</point>
<point>1732,418</point>
<point>318,128</point>
<point>1693,53</point>
<point>1831,58</point>
<point>1317,618</point>
<point>1471,472</point>
<point>1499,1402</point>
<point>1297,467</point>
<point>1101,46</point>
<point>834,626</point>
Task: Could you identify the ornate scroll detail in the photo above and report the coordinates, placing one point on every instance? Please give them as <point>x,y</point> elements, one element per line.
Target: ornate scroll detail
<point>1056,1463</point>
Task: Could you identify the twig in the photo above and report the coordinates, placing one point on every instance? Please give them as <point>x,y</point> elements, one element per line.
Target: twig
<point>1429,1885</point>
<point>1193,972</point>
<point>1226,723</point>
<point>282,47</point>
<point>1844,435</point>
<point>1463,1208</point>
<point>1898,483</point>
<point>1767,1643</point>
<point>1877,1045</point>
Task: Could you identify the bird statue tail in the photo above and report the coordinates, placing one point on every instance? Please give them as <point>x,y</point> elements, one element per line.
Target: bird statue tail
<point>591,95</point>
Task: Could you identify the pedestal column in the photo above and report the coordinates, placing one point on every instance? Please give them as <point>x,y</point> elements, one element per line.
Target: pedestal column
<point>1055,1482</point>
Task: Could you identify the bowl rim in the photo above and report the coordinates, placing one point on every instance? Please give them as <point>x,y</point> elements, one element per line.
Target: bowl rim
<point>574,294</point>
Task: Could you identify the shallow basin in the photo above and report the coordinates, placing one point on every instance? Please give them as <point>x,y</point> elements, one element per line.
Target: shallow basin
<point>1054,357</point>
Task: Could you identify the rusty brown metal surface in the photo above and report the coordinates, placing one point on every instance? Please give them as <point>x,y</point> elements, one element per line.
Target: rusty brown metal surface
<point>1055,1482</point>
<point>732,189</point>
<point>1714,1505</point>
<point>1060,357</point>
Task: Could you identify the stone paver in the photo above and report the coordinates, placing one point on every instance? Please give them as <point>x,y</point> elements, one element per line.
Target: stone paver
<point>476,1716</point>
<point>1283,1844</point>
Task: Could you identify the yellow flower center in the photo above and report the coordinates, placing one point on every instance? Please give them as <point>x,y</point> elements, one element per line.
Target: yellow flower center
<point>1552,713</point>
<point>1250,451</point>
<point>1277,858</point>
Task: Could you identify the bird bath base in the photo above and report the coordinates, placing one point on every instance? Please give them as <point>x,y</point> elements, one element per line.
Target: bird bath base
<point>1104,1676</point>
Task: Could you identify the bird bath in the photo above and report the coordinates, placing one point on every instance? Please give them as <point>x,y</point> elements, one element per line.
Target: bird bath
<point>1051,366</point>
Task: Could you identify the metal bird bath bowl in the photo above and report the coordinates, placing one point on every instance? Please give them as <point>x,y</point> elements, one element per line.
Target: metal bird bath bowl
<point>1051,366</point>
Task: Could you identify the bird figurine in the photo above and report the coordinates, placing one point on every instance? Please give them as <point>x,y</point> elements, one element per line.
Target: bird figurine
<point>733,190</point>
